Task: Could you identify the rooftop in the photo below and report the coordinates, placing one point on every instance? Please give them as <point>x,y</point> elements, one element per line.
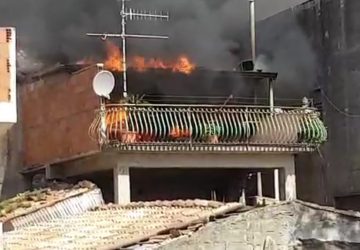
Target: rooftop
<point>115,226</point>
<point>42,204</point>
<point>148,225</point>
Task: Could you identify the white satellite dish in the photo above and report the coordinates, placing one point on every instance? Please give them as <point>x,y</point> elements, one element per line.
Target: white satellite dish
<point>104,83</point>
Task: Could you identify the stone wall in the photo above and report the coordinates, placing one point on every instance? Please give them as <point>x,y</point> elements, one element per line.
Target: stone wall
<point>283,225</point>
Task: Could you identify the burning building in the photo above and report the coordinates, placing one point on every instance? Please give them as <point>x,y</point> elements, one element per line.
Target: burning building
<point>194,144</point>
<point>183,127</point>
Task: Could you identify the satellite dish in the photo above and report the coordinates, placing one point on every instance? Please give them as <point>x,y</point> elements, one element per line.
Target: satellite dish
<point>104,83</point>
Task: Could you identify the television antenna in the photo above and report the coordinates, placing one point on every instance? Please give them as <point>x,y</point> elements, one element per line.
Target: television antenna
<point>131,14</point>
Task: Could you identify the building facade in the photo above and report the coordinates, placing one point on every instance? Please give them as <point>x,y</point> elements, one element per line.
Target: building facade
<point>210,150</point>
<point>8,96</point>
<point>331,29</point>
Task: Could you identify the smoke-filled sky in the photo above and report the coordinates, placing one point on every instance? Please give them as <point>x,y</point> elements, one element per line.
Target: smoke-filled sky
<point>213,33</point>
<point>204,29</point>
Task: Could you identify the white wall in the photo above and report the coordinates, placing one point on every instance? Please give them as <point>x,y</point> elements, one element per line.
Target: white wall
<point>8,113</point>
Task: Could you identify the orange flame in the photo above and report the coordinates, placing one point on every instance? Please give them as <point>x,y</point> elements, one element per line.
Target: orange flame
<point>114,62</point>
<point>114,57</point>
<point>178,133</point>
<point>183,65</point>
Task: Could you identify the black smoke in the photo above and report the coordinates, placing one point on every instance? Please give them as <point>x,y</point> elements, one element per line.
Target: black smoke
<point>54,31</point>
<point>213,33</point>
<point>285,47</point>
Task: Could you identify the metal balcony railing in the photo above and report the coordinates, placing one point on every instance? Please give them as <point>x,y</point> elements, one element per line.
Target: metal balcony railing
<point>153,127</point>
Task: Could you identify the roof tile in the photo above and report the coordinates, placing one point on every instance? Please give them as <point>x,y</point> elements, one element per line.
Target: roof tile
<point>114,226</point>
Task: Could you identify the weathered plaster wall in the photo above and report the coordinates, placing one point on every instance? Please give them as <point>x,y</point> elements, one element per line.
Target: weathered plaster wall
<point>343,89</point>
<point>283,225</point>
<point>11,180</point>
<point>332,29</point>
<point>3,154</point>
<point>14,182</point>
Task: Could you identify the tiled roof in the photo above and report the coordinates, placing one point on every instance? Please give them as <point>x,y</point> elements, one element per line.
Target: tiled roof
<point>114,226</point>
<point>48,203</point>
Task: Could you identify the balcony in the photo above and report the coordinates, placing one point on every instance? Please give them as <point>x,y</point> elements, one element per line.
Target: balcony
<point>218,128</point>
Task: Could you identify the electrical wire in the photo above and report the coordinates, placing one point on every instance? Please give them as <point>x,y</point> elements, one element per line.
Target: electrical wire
<point>337,108</point>
<point>324,162</point>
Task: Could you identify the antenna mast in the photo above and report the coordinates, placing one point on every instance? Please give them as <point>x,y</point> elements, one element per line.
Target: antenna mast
<point>131,14</point>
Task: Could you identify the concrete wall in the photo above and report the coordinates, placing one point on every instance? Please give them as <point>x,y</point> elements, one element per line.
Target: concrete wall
<point>343,89</point>
<point>57,111</point>
<point>311,180</point>
<point>282,225</point>
<point>11,180</point>
<point>3,154</point>
<point>332,30</point>
<point>338,55</point>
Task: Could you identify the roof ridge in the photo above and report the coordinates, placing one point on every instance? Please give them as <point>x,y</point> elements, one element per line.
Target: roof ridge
<point>350,213</point>
<point>167,203</point>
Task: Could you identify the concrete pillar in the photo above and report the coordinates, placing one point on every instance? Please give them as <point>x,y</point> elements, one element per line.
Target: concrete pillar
<point>259,185</point>
<point>276,184</point>
<point>122,185</point>
<point>290,181</point>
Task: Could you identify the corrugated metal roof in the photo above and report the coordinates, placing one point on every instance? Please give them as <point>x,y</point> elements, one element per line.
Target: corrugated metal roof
<point>115,226</point>
<point>49,203</point>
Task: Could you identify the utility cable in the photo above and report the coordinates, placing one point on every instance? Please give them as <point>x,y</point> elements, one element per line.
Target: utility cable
<point>337,108</point>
